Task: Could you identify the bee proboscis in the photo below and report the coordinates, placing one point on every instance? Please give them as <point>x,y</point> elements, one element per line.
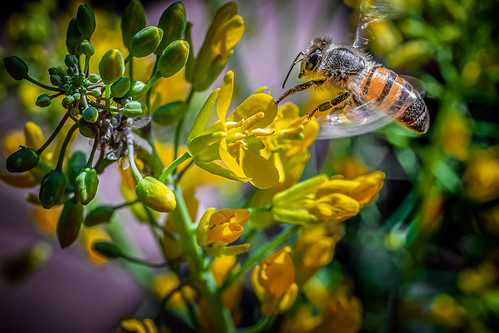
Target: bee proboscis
<point>371,95</point>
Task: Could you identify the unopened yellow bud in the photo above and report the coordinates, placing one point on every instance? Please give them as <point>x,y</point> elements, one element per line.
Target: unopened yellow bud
<point>155,195</point>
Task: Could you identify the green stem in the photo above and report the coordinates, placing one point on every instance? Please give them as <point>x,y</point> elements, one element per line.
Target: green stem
<point>104,107</point>
<point>30,79</point>
<point>128,58</point>
<point>145,263</point>
<point>172,166</point>
<point>258,327</point>
<point>130,69</point>
<point>87,65</point>
<point>54,134</point>
<point>131,158</point>
<point>94,147</point>
<point>107,95</point>
<point>149,84</point>
<point>180,124</point>
<point>260,253</point>
<point>202,279</point>
<point>64,146</point>
<point>153,73</point>
<point>125,204</point>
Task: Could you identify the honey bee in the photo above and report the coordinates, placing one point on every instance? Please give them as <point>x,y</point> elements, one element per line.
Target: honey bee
<point>371,95</point>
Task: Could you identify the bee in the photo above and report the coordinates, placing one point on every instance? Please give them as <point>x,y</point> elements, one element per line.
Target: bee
<point>371,95</point>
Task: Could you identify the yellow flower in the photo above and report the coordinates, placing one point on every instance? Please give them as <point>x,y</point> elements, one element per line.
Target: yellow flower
<point>88,236</point>
<point>274,284</point>
<point>164,284</point>
<point>237,140</point>
<point>217,229</point>
<point>135,325</point>
<point>320,199</point>
<point>481,180</point>
<point>475,280</point>
<point>456,134</point>
<point>224,33</point>
<point>447,311</point>
<point>302,320</point>
<point>313,249</point>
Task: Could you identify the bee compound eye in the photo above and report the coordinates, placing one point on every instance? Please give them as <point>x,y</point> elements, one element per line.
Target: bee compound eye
<point>312,61</point>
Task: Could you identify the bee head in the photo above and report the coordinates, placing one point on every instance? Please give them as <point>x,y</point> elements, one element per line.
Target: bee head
<point>313,56</point>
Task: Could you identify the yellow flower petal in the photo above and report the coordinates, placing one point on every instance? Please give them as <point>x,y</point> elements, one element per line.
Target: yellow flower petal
<point>226,38</point>
<point>262,172</point>
<point>253,105</point>
<point>225,95</point>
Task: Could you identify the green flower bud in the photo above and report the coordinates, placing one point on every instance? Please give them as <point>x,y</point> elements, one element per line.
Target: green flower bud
<point>16,67</point>
<point>75,165</point>
<point>145,41</point>
<point>86,185</point>
<point>43,100</point>
<point>77,96</point>
<point>133,20</point>
<point>191,61</point>
<point>90,114</point>
<point>173,58</point>
<point>22,160</point>
<point>67,101</point>
<point>134,109</point>
<point>93,78</point>
<point>85,128</point>
<point>69,223</point>
<point>73,36</point>
<point>86,48</point>
<point>120,87</point>
<point>172,22</point>
<point>135,88</point>
<point>54,71</point>
<point>99,215</point>
<point>108,249</point>
<point>85,20</point>
<point>71,71</point>
<point>111,66</point>
<point>155,195</point>
<point>56,80</point>
<point>52,188</point>
<point>74,111</point>
<point>170,113</point>
<point>71,60</point>
<point>96,92</point>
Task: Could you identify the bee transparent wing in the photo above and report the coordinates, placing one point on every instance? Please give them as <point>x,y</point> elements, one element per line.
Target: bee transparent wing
<point>369,13</point>
<point>353,121</point>
<point>416,84</point>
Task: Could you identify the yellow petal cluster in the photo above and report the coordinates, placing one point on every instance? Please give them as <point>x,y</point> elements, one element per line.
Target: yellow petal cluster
<point>324,199</point>
<point>217,229</point>
<point>274,284</point>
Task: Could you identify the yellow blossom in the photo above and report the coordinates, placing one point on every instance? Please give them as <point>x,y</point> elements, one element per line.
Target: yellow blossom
<point>235,140</point>
<point>302,320</point>
<point>481,180</point>
<point>45,220</point>
<point>87,237</point>
<point>447,311</point>
<point>136,325</point>
<point>475,280</point>
<point>217,229</point>
<point>320,199</point>
<point>168,283</point>
<point>274,284</point>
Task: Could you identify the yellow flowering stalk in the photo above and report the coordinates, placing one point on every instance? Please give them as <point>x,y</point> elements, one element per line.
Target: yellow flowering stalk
<point>324,199</point>
<point>274,283</point>
<point>237,139</point>
<point>217,229</point>
<point>224,33</point>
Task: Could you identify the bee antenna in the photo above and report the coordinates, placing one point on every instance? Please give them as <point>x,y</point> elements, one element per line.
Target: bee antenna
<point>293,65</point>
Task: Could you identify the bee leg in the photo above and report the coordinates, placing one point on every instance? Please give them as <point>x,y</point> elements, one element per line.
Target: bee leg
<point>300,87</point>
<point>328,105</point>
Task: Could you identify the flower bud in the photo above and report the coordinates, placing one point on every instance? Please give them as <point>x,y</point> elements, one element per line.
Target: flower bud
<point>99,215</point>
<point>67,101</point>
<point>93,78</point>
<point>16,67</point>
<point>111,66</point>
<point>170,113</point>
<point>90,115</point>
<point>43,101</point>
<point>173,23</point>
<point>155,195</point>
<point>73,36</point>
<point>145,41</point>
<point>71,60</point>
<point>85,20</point>
<point>136,88</point>
<point>69,223</point>
<point>52,188</point>
<point>173,58</point>
<point>56,80</point>
<point>85,128</point>
<point>120,87</point>
<point>22,160</point>
<point>108,249</point>
<point>86,48</point>
<point>33,135</point>
<point>133,21</point>
<point>134,109</point>
<point>86,186</point>
<point>74,166</point>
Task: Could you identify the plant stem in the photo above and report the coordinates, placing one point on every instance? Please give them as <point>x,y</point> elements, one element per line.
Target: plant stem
<point>202,279</point>
<point>30,79</point>
<point>94,147</point>
<point>131,158</point>
<point>54,134</point>
<point>254,257</point>
<point>258,327</point>
<point>64,146</point>
<point>172,166</point>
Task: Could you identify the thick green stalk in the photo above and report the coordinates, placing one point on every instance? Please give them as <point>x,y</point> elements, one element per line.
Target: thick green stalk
<point>202,278</point>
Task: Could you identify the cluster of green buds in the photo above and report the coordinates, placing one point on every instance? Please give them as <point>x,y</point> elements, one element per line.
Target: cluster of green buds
<point>109,108</point>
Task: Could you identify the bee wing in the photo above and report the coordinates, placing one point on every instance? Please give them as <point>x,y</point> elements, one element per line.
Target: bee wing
<point>415,83</point>
<point>353,121</point>
<point>369,13</point>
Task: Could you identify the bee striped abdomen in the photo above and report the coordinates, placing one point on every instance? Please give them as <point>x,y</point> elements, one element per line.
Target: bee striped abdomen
<point>396,97</point>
